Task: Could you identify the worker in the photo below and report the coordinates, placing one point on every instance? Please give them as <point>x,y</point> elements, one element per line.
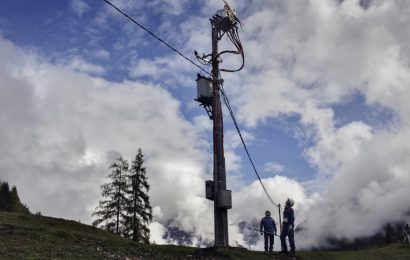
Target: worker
<point>406,234</point>
<point>288,225</point>
<point>268,229</point>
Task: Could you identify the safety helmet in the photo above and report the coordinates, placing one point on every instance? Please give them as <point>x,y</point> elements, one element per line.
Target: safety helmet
<point>267,213</point>
<point>289,202</point>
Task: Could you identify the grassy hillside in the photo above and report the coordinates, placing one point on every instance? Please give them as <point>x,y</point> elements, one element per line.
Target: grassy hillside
<point>37,237</point>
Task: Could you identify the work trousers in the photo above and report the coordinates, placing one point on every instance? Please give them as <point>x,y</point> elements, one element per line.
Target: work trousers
<point>406,239</point>
<point>286,232</point>
<point>269,237</point>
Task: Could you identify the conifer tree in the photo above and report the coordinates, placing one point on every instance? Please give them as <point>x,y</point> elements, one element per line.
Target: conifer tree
<point>16,205</point>
<point>10,200</point>
<point>139,210</point>
<point>5,198</point>
<point>110,210</point>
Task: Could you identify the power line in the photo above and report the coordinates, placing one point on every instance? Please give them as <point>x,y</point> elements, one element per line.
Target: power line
<point>227,104</point>
<point>156,37</point>
<point>224,96</point>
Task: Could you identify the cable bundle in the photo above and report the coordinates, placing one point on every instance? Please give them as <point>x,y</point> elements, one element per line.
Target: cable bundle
<point>236,41</point>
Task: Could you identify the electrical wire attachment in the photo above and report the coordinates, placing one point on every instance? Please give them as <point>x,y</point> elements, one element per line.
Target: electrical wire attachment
<point>226,21</point>
<point>232,14</point>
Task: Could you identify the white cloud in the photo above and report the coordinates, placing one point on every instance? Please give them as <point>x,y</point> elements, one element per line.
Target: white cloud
<point>364,192</point>
<point>169,70</point>
<point>302,59</point>
<point>274,167</point>
<point>77,63</point>
<point>250,203</point>
<point>174,7</point>
<point>79,7</point>
<point>102,54</point>
<point>305,57</point>
<point>57,142</point>
<point>157,230</point>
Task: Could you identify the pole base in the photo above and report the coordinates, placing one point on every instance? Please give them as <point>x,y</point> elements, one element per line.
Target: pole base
<point>218,251</point>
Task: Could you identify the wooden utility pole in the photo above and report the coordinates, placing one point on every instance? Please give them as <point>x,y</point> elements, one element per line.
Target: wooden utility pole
<point>224,22</point>
<point>220,213</point>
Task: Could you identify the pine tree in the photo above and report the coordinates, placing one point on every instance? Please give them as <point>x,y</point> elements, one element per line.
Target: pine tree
<point>16,205</point>
<point>139,210</point>
<point>10,200</point>
<point>5,198</point>
<point>110,210</point>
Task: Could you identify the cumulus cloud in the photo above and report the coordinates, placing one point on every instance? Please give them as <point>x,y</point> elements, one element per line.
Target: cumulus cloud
<point>274,167</point>
<point>321,53</point>
<point>58,140</point>
<point>62,123</point>
<point>364,192</point>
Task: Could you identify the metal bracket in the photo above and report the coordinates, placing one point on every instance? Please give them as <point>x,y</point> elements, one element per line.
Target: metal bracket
<point>208,110</point>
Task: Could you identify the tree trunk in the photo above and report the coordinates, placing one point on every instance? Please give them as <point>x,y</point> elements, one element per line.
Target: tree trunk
<point>134,219</point>
<point>118,204</point>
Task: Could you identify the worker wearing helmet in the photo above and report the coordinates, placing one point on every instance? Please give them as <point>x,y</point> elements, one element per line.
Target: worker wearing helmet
<point>287,227</point>
<point>268,228</point>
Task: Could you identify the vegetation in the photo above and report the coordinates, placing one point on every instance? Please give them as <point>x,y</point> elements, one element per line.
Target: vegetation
<point>25,236</point>
<point>125,208</point>
<point>10,200</point>
<point>37,237</point>
<point>139,210</point>
<point>110,210</point>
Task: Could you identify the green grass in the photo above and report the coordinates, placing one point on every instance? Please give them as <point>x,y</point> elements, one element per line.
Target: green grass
<point>38,237</point>
<point>392,251</point>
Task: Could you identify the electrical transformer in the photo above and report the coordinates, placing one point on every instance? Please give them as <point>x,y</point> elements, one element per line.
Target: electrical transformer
<point>224,199</point>
<point>204,90</point>
<point>209,190</point>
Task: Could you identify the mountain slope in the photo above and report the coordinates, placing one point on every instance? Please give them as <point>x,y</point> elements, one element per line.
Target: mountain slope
<point>31,236</point>
<point>38,237</point>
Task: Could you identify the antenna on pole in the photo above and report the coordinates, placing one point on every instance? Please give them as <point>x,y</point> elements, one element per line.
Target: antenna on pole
<point>223,22</point>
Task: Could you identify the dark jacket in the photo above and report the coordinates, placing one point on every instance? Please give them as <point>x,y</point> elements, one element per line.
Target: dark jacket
<point>288,217</point>
<point>268,224</point>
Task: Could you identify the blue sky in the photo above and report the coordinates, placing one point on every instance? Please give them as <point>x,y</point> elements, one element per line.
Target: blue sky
<point>55,33</point>
<point>323,88</point>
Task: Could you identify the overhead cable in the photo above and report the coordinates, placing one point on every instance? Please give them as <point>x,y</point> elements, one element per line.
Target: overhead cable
<point>235,39</point>
<point>156,37</point>
<point>227,104</point>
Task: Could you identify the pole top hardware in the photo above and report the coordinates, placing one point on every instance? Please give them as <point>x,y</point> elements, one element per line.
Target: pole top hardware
<point>226,19</point>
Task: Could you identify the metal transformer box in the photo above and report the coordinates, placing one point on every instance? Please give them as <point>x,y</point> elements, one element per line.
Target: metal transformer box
<point>225,199</point>
<point>209,190</point>
<point>204,90</point>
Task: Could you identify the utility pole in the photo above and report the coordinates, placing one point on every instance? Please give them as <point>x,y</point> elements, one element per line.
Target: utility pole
<point>209,96</point>
<point>220,213</point>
